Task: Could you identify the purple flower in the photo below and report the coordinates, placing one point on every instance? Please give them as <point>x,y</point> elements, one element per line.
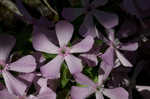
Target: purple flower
<point>107,63</point>
<point>138,7</point>
<point>115,46</point>
<point>42,25</point>
<point>128,28</point>
<point>42,22</point>
<point>27,78</point>
<point>144,91</point>
<point>44,92</point>
<point>24,12</point>
<point>97,88</point>
<point>108,20</point>
<point>4,94</point>
<point>141,88</point>
<point>64,32</point>
<point>25,64</point>
<point>90,58</point>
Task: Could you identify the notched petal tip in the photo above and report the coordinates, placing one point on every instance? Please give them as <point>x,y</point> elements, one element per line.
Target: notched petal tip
<point>64,32</point>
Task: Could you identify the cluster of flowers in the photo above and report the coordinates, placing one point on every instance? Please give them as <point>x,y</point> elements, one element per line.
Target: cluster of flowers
<point>17,87</point>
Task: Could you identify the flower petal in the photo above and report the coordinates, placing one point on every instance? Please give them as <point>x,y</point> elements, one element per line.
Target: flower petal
<point>28,78</point>
<point>104,72</point>
<point>142,88</point>
<point>13,85</point>
<point>90,59</point>
<point>52,69</point>
<point>7,42</point>
<point>128,5</point>
<point>92,31</point>
<point>99,95</point>
<point>45,92</point>
<point>43,23</point>
<point>45,27</point>
<point>80,92</point>
<point>48,94</point>
<point>41,43</point>
<point>145,5</point>
<point>4,94</point>
<point>83,80</point>
<point>84,46</point>
<point>23,10</point>
<point>25,64</point>
<point>71,14</point>
<point>40,59</point>
<point>106,65</point>
<point>108,56</point>
<point>127,29</point>
<point>111,35</point>
<point>97,3</point>
<point>42,82</point>
<point>129,47</point>
<point>64,32</point>
<point>88,27</point>
<point>116,93</point>
<point>74,64</point>
<point>108,20</point>
<point>143,91</point>
<point>123,60</point>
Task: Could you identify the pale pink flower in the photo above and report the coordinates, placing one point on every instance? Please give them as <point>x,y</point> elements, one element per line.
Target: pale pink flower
<point>64,32</point>
<point>25,64</point>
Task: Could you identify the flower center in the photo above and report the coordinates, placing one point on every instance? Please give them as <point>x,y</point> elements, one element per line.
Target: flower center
<point>89,8</point>
<point>64,51</point>
<point>116,44</point>
<point>4,67</point>
<point>98,88</point>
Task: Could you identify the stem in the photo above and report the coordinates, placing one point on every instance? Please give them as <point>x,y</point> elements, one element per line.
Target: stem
<point>11,6</point>
<point>49,6</point>
<point>136,72</point>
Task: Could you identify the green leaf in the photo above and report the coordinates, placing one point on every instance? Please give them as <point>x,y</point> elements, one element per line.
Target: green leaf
<point>79,85</point>
<point>88,71</point>
<point>65,75</point>
<point>49,56</point>
<point>98,42</point>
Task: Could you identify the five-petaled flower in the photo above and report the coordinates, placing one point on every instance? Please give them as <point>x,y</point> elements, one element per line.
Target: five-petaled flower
<point>25,64</point>
<point>64,32</point>
<point>115,46</point>
<point>98,88</point>
<point>108,20</point>
<point>44,92</point>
